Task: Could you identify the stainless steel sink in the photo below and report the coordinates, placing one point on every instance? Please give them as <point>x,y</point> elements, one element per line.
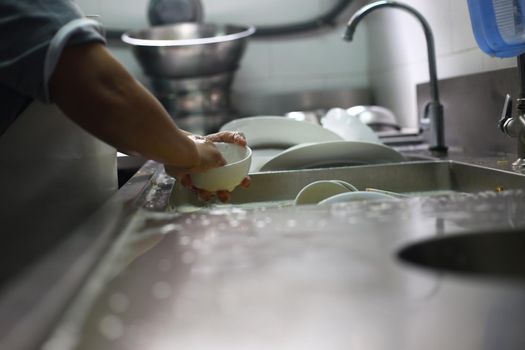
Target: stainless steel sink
<point>415,179</point>
<point>492,254</point>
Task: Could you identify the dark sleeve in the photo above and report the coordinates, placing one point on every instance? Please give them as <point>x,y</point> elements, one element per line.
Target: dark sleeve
<point>33,34</point>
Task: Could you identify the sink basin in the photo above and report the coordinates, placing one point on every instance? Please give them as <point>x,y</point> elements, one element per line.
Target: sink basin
<point>493,254</point>
<point>425,178</point>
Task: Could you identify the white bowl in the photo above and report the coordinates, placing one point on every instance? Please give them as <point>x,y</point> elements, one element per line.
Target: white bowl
<point>348,126</point>
<point>316,191</point>
<point>227,177</point>
<point>374,116</point>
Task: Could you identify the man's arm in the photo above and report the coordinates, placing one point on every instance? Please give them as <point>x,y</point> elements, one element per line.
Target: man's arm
<point>97,92</point>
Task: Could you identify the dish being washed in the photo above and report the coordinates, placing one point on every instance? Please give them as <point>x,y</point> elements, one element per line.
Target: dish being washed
<point>276,131</point>
<point>332,154</point>
<point>227,177</point>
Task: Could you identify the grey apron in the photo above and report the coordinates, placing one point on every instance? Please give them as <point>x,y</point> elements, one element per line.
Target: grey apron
<point>53,175</point>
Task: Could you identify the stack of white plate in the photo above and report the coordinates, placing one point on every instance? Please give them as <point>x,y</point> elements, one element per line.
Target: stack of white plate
<point>281,143</point>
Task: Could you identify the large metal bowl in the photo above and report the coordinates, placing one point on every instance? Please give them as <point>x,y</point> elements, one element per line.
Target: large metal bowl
<point>188,49</point>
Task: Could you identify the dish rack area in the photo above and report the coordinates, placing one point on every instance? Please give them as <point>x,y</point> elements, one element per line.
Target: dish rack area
<point>407,179</point>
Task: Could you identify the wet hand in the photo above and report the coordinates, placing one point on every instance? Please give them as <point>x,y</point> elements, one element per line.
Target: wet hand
<point>209,157</point>
<point>228,137</point>
<point>208,151</point>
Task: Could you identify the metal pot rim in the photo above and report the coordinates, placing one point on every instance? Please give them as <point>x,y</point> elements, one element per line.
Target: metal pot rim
<point>130,38</point>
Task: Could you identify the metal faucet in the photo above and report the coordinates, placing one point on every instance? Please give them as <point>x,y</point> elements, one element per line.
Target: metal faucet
<point>515,126</point>
<point>433,113</point>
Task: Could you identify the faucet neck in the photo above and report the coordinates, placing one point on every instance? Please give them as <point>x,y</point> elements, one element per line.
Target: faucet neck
<point>431,52</point>
<point>434,112</point>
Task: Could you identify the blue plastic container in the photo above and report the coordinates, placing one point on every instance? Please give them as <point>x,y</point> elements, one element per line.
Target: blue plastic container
<point>499,26</point>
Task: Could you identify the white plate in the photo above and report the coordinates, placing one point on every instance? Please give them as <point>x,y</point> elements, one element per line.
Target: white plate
<point>348,126</point>
<point>317,191</point>
<point>334,153</point>
<point>272,131</point>
<point>261,156</point>
<point>356,196</point>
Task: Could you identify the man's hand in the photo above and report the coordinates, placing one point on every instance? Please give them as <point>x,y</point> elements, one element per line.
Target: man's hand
<point>203,144</point>
<point>208,157</point>
<point>95,91</point>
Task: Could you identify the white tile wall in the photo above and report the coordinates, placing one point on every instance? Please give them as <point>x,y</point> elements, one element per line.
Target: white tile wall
<point>89,6</point>
<point>397,52</point>
<point>388,53</point>
<point>462,38</point>
<point>117,13</point>
<point>259,12</point>
<point>317,61</point>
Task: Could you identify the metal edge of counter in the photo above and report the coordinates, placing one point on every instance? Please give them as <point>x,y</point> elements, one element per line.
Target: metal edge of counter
<point>35,301</point>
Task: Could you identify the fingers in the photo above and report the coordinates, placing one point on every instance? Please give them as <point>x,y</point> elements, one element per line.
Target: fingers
<point>204,195</point>
<point>239,139</point>
<point>246,182</point>
<point>224,196</point>
<point>210,157</point>
<point>186,181</point>
<point>228,137</point>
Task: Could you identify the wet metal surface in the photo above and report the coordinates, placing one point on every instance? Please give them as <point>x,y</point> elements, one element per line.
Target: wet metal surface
<point>423,178</point>
<point>307,277</point>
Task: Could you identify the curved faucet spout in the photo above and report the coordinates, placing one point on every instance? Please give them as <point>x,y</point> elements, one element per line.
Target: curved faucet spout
<point>434,111</point>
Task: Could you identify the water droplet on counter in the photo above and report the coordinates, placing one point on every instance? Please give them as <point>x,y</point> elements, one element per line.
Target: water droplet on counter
<point>338,211</point>
<point>291,223</point>
<point>235,223</point>
<point>211,235</point>
<point>237,249</point>
<point>164,265</point>
<point>188,258</point>
<point>185,240</point>
<point>169,228</point>
<point>309,223</point>
<point>260,223</point>
<point>161,290</point>
<point>197,244</point>
<point>111,327</point>
<point>352,221</point>
<point>119,302</point>
<point>63,339</point>
<point>321,224</point>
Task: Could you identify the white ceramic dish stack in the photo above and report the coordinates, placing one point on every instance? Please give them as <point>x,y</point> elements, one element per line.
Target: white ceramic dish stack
<point>349,127</point>
<point>278,132</point>
<point>281,143</point>
<point>270,135</point>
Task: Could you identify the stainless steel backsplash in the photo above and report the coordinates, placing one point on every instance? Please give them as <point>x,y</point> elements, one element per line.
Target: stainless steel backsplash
<point>473,105</point>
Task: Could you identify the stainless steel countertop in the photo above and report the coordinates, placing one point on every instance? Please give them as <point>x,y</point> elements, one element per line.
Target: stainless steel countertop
<point>136,277</point>
<point>297,278</point>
